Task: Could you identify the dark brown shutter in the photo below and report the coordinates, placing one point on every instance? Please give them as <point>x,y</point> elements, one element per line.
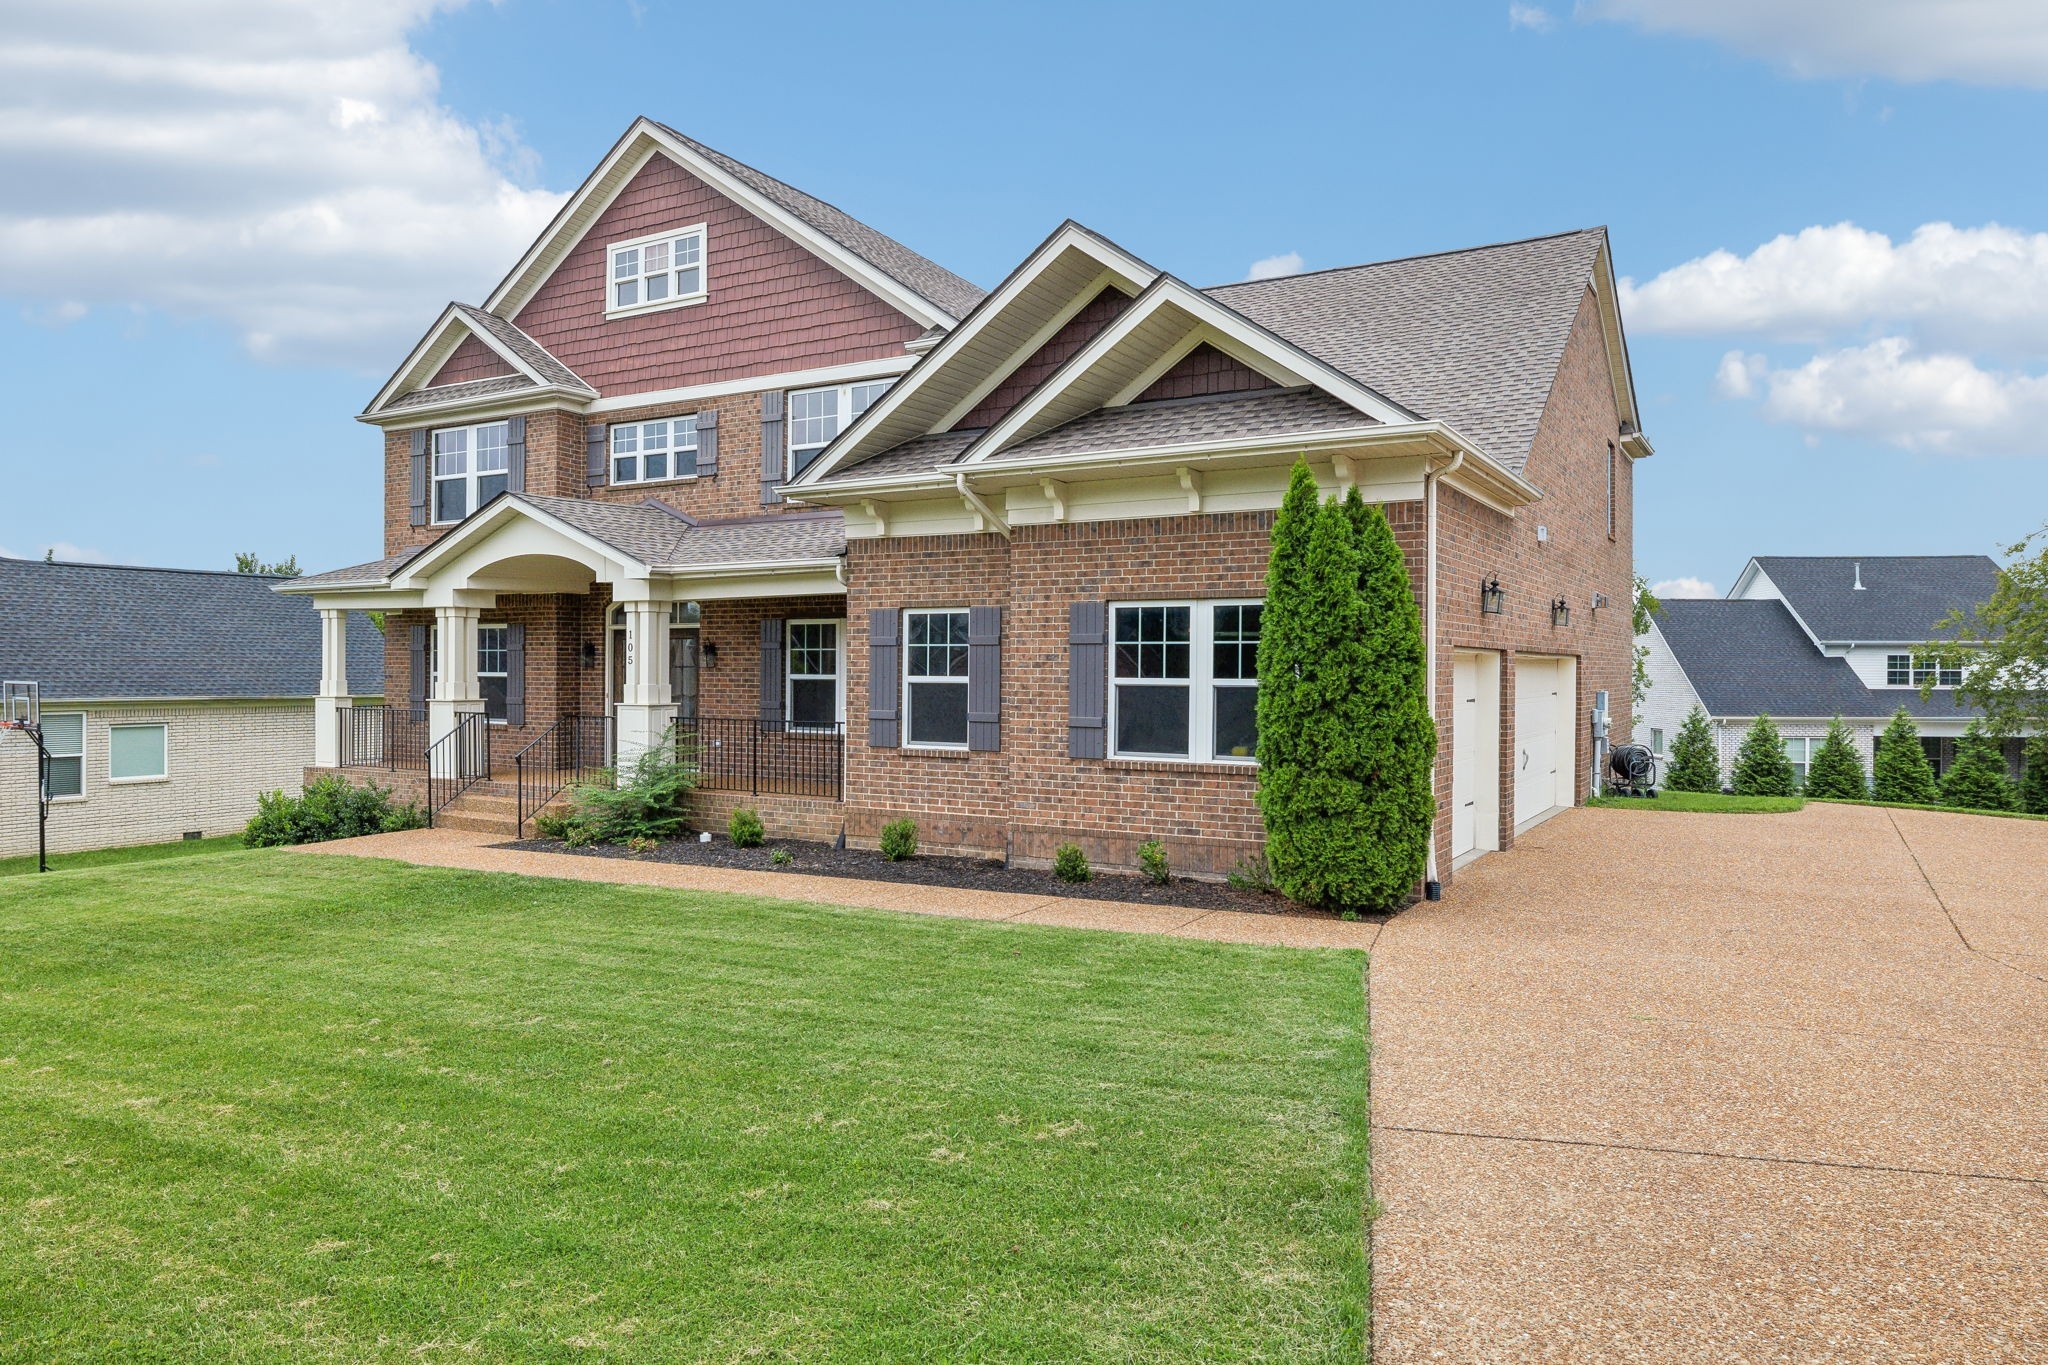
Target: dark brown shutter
<point>707,445</point>
<point>417,684</point>
<point>774,630</point>
<point>885,677</point>
<point>594,455</point>
<point>774,448</point>
<point>984,679</point>
<point>419,478</point>
<point>515,675</point>
<point>1087,680</point>
<point>515,454</point>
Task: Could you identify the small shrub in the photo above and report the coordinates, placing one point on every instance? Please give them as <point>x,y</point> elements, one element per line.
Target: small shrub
<point>2034,777</point>
<point>1252,873</point>
<point>329,808</point>
<point>649,804</point>
<point>553,824</point>
<point>1152,861</point>
<point>1900,772</point>
<point>1695,764</point>
<point>640,843</point>
<point>745,828</point>
<point>1836,772</point>
<point>1761,768</point>
<point>899,840</point>
<point>781,857</point>
<point>1070,864</point>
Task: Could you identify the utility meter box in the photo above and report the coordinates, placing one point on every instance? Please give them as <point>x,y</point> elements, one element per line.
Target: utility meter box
<point>1600,715</point>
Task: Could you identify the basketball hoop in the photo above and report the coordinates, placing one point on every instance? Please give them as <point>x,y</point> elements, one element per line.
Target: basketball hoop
<point>21,709</point>
<point>21,705</point>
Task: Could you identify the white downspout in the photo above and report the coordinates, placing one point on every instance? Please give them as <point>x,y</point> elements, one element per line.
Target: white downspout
<point>1433,883</point>
<point>973,499</point>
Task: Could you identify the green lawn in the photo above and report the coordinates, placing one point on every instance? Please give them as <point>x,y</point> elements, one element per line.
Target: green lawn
<point>1703,801</point>
<point>134,853</point>
<point>271,1106</point>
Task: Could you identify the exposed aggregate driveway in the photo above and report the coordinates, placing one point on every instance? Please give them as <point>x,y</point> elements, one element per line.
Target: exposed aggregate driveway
<point>1663,1087</point>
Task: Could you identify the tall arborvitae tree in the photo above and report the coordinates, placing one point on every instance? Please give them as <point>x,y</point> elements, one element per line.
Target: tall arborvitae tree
<point>1977,780</point>
<point>2034,779</point>
<point>1695,764</point>
<point>1900,772</point>
<point>1346,746</point>
<point>1835,772</point>
<point>1761,768</point>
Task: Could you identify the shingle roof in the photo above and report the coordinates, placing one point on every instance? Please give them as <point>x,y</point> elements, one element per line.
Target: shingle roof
<point>469,388</point>
<point>1901,599</point>
<point>646,533</point>
<point>923,276</point>
<point>525,347</point>
<point>92,632</point>
<point>1749,657</point>
<point>1176,422</point>
<point>667,541</point>
<point>1471,337</point>
<point>916,455</point>
<point>376,571</point>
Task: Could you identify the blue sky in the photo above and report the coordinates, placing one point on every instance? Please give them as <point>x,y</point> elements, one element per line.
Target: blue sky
<point>223,228</point>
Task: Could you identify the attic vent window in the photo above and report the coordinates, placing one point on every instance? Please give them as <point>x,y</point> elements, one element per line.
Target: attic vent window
<point>665,270</point>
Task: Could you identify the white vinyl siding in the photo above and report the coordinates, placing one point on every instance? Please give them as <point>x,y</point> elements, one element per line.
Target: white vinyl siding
<point>663,270</point>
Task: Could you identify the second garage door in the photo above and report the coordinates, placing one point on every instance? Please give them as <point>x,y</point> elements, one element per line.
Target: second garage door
<point>1544,752</point>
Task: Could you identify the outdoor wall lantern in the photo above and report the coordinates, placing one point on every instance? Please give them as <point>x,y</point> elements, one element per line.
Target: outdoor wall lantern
<point>1599,600</point>
<point>589,653</point>
<point>710,655</point>
<point>1560,613</point>
<point>1492,601</point>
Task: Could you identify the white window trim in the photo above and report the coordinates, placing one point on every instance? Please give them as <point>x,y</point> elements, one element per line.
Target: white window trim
<point>790,677</point>
<point>640,453</point>
<point>847,417</point>
<point>1914,667</point>
<point>1200,682</point>
<point>481,675</point>
<point>674,300</point>
<point>84,744</point>
<point>469,478</point>
<point>905,647</point>
<point>163,776</point>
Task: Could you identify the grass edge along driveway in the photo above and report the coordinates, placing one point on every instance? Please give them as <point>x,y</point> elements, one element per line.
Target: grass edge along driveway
<point>363,1109</point>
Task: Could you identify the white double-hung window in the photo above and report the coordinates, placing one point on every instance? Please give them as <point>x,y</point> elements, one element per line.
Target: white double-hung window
<point>471,466</point>
<point>818,415</point>
<point>662,270</point>
<point>493,669</point>
<point>935,678</point>
<point>138,753</point>
<point>648,452</point>
<point>816,696</point>
<point>1184,680</point>
<point>1914,670</point>
<point>64,737</point>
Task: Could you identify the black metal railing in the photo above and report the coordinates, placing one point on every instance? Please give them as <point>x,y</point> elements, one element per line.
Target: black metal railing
<point>764,757</point>
<point>383,737</point>
<point>574,749</point>
<point>458,761</point>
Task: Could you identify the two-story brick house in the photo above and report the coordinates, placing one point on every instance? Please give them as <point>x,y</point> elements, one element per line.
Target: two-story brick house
<point>715,453</point>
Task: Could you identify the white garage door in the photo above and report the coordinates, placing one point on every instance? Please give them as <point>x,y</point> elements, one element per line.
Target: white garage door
<point>1465,745</point>
<point>1543,736</point>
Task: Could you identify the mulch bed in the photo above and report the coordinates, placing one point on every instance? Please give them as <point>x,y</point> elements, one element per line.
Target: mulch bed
<point>968,874</point>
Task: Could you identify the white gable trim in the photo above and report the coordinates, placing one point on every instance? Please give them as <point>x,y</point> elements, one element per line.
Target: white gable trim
<point>641,143</point>
<point>418,571</point>
<point>1082,298</point>
<point>432,353</point>
<point>1118,267</point>
<point>1606,297</point>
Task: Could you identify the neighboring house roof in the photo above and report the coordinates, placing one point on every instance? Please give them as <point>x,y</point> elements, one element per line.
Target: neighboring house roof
<point>915,272</point>
<point>1749,657</point>
<point>101,632</point>
<point>1901,599</point>
<point>1472,337</point>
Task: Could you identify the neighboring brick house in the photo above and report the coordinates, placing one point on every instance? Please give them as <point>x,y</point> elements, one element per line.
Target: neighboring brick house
<point>1805,638</point>
<point>890,545</point>
<point>170,699</point>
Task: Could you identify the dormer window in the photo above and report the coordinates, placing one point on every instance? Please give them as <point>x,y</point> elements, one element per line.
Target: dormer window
<point>665,270</point>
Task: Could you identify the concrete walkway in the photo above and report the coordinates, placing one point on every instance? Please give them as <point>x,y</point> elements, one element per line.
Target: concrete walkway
<point>464,849</point>
<point>1660,1087</point>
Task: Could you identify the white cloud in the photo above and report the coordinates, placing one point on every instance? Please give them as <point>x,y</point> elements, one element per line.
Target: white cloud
<point>1981,42</point>
<point>1684,587</point>
<point>1974,288</point>
<point>1530,17</point>
<point>281,166</point>
<point>1939,403</point>
<point>1273,267</point>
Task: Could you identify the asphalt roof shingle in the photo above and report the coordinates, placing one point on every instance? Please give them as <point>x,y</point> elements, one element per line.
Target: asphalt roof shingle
<point>100,632</point>
<point>1902,597</point>
<point>450,393</point>
<point>664,540</point>
<point>1749,657</point>
<point>515,340</point>
<point>1176,422</point>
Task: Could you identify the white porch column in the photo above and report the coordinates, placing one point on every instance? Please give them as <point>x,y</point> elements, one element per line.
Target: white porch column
<point>646,706</point>
<point>333,696</point>
<point>455,689</point>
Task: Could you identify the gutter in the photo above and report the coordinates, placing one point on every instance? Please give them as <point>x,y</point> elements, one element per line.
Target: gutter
<point>974,500</point>
<point>1432,886</point>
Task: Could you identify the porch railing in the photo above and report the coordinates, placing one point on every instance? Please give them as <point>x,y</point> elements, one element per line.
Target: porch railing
<point>458,761</point>
<point>574,749</point>
<point>764,757</point>
<point>382,737</point>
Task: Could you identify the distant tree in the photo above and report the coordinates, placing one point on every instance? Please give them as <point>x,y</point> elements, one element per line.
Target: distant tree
<point>1695,759</point>
<point>288,567</point>
<point>2001,645</point>
<point>1901,772</point>
<point>2034,780</point>
<point>1835,771</point>
<point>1977,780</point>
<point>1647,610</point>
<point>1761,767</point>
